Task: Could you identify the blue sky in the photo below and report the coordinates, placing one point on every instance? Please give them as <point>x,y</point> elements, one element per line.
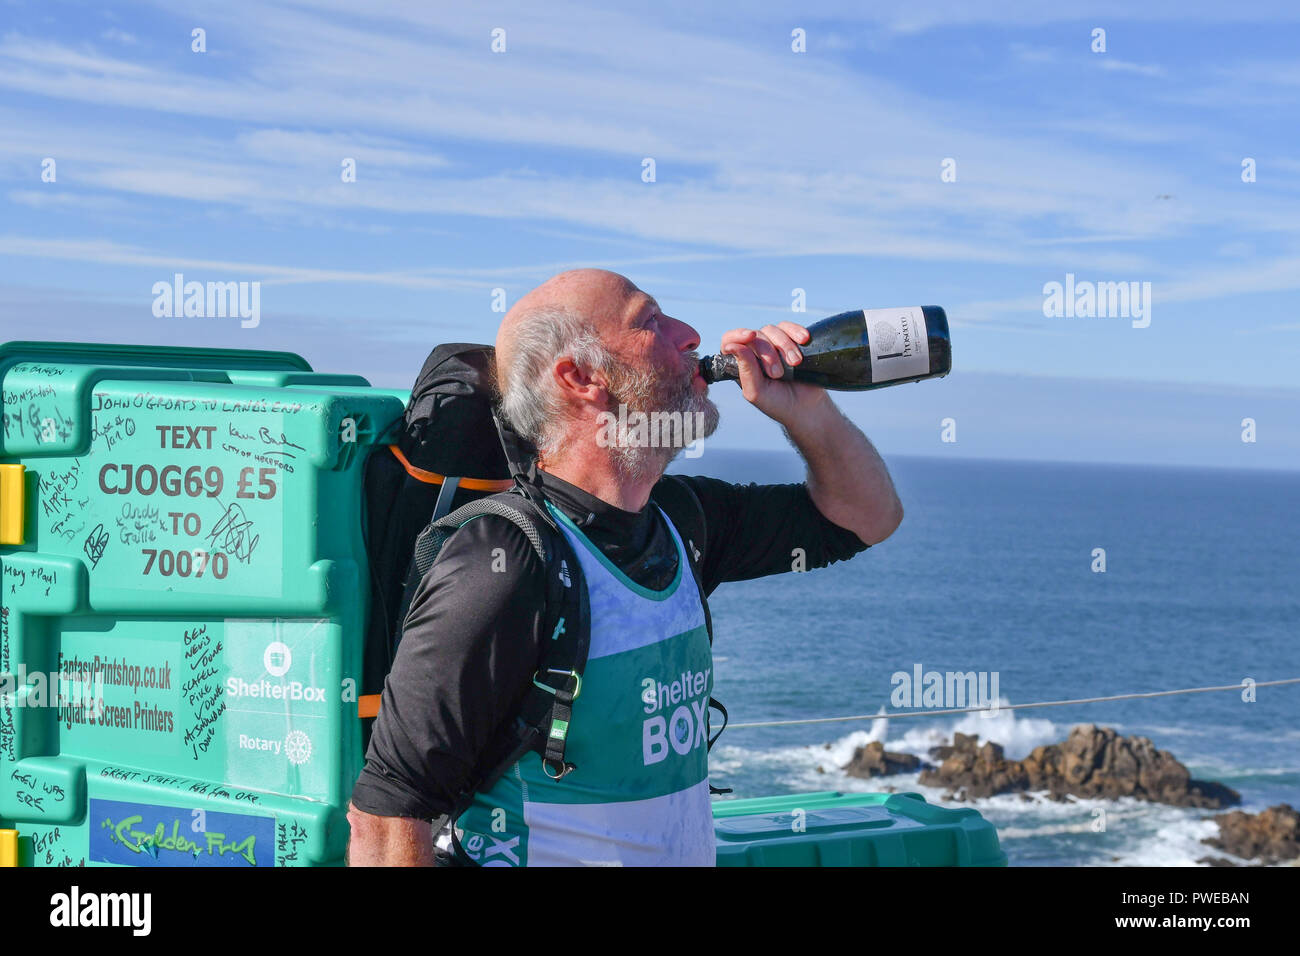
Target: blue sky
<point>775,170</point>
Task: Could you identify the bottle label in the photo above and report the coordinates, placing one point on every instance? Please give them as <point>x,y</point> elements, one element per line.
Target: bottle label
<point>899,343</point>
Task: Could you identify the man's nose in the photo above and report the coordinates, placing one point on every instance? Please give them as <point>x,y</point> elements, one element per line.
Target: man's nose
<point>685,336</point>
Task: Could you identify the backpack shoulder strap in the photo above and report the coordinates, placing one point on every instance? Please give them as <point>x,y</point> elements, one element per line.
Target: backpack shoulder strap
<point>566,634</point>
<point>429,543</point>
<point>679,498</point>
<point>543,723</point>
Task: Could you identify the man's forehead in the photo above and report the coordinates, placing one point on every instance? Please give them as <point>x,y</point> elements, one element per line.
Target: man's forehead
<point>637,301</point>
<point>594,291</point>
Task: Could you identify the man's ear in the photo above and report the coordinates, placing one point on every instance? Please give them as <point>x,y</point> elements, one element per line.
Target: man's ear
<point>578,383</point>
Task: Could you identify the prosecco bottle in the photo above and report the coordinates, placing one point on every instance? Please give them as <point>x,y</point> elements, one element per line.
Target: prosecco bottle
<point>855,351</point>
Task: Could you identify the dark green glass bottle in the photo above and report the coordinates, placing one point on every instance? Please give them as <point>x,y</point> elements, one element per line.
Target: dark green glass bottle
<point>869,348</point>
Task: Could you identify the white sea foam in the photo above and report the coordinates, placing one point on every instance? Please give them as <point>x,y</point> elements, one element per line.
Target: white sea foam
<point>1156,732</point>
<point>1171,837</point>
<point>1077,823</point>
<point>1018,736</point>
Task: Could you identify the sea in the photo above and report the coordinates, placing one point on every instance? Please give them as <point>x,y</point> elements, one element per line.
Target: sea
<point>996,568</point>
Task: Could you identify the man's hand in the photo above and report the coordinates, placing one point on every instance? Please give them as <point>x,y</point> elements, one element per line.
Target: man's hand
<point>388,841</point>
<point>758,355</point>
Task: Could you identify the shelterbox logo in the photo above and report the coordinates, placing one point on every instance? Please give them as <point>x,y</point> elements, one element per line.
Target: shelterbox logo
<point>277,658</point>
<point>293,690</point>
<point>687,727</point>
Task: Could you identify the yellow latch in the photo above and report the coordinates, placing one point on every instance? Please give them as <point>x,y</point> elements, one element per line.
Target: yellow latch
<point>8,848</point>
<point>11,504</point>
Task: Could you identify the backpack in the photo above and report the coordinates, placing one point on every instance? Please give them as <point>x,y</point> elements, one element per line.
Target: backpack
<point>442,454</point>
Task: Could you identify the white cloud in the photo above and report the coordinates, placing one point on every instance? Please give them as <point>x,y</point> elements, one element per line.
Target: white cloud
<point>112,253</point>
<point>744,167</point>
<point>308,148</point>
<point>119,36</point>
<point>62,199</point>
<point>1124,66</point>
<point>48,55</point>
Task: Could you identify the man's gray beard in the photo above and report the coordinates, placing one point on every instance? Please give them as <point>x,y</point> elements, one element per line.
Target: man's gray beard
<point>641,391</point>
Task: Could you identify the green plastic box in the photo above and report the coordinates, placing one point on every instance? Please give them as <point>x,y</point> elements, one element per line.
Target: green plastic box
<point>852,829</point>
<point>183,596</point>
<point>190,553</point>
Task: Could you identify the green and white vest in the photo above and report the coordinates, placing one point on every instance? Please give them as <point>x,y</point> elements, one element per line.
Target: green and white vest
<point>638,736</point>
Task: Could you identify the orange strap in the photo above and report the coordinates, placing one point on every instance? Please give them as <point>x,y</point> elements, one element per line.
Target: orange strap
<point>433,478</point>
<point>368,704</point>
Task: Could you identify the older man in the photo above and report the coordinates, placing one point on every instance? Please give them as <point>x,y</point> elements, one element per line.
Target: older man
<point>568,355</point>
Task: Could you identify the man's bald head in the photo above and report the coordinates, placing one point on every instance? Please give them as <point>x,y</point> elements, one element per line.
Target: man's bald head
<point>585,328</point>
<point>590,295</point>
<point>571,314</point>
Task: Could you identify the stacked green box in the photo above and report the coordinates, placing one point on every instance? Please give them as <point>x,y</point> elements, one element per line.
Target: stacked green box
<point>191,563</point>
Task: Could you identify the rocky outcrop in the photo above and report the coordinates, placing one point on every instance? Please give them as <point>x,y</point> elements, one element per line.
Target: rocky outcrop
<point>1271,836</point>
<point>1092,762</point>
<point>874,761</point>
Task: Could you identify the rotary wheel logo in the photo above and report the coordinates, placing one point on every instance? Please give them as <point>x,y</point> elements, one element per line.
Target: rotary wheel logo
<point>886,336</point>
<point>297,747</point>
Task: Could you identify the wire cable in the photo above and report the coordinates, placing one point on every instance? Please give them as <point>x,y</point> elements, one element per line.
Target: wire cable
<point>898,715</point>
